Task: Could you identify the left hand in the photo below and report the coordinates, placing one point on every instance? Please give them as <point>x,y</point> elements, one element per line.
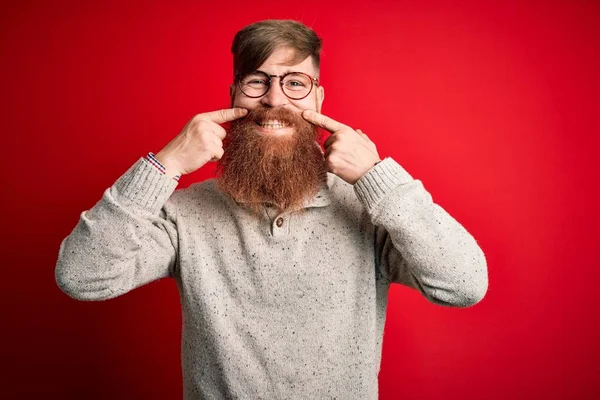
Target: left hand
<point>349,153</point>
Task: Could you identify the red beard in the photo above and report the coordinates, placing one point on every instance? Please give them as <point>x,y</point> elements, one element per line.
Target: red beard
<point>260,169</point>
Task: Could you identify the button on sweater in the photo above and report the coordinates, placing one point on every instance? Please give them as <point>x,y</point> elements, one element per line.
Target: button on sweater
<point>276,306</point>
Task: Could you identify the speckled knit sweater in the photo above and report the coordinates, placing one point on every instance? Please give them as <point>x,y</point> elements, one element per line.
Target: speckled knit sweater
<point>288,306</point>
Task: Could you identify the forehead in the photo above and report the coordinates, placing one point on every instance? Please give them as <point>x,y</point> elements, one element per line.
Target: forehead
<point>283,60</point>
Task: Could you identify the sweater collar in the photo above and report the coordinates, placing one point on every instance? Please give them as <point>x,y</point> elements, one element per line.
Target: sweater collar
<point>323,196</point>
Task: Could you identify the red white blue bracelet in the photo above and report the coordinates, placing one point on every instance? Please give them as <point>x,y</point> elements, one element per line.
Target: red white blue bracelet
<point>152,159</point>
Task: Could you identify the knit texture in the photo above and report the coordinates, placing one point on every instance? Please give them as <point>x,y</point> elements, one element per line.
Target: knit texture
<point>281,306</point>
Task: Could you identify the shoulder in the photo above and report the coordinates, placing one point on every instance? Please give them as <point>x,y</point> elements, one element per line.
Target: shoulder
<point>339,189</point>
<point>203,197</point>
<point>342,195</point>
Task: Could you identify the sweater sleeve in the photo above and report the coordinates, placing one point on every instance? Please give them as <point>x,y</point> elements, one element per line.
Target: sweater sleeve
<point>418,244</point>
<point>129,238</point>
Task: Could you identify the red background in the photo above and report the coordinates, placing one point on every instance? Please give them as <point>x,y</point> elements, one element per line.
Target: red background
<point>494,105</point>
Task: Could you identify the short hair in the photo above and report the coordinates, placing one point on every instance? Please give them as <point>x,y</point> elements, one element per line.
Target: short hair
<point>253,44</point>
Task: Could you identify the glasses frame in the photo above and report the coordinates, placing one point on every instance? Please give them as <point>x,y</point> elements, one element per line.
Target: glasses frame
<point>313,82</point>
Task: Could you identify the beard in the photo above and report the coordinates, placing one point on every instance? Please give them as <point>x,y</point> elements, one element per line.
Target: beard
<point>260,169</point>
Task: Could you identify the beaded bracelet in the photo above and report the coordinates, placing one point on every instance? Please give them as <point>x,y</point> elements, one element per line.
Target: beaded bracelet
<point>152,159</point>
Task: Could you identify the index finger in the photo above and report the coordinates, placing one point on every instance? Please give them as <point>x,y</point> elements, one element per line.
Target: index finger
<point>224,115</point>
<point>323,121</point>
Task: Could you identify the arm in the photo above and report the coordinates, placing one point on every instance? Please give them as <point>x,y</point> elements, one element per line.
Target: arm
<point>418,244</point>
<point>128,239</point>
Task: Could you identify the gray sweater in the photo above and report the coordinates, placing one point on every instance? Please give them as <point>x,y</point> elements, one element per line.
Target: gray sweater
<point>288,306</point>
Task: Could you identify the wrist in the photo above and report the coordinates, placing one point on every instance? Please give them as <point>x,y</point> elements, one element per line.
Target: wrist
<point>164,165</point>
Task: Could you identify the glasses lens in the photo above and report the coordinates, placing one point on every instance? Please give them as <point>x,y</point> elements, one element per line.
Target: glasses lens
<point>296,85</point>
<point>254,84</point>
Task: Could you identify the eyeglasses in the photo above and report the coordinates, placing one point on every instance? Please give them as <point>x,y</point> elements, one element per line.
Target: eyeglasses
<point>295,85</point>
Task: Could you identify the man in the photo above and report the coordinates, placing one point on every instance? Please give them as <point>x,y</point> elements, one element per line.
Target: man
<point>283,263</point>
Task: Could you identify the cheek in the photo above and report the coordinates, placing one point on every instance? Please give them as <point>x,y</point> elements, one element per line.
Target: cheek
<point>245,102</point>
<point>306,104</point>
<point>239,100</point>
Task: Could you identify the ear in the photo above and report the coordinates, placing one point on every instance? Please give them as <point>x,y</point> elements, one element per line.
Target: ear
<point>320,97</point>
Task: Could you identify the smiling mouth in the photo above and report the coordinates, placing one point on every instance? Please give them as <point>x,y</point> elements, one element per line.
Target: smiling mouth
<point>271,124</point>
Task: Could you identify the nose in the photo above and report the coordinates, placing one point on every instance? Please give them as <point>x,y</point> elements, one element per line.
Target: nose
<point>275,96</point>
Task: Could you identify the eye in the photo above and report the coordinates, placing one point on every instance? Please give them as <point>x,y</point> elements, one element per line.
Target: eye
<point>295,83</point>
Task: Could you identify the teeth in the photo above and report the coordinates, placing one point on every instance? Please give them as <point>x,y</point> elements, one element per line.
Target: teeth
<point>272,124</point>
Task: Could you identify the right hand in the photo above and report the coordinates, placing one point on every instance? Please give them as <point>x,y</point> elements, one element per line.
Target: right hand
<point>200,141</point>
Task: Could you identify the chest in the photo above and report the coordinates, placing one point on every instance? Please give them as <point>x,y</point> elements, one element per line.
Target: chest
<point>316,260</point>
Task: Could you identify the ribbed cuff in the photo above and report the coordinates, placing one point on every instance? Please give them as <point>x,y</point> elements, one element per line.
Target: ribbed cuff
<point>144,186</point>
<point>380,180</point>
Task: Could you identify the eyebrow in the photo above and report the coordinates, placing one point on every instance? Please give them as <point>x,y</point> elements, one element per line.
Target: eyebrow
<point>316,79</point>
<point>285,72</point>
